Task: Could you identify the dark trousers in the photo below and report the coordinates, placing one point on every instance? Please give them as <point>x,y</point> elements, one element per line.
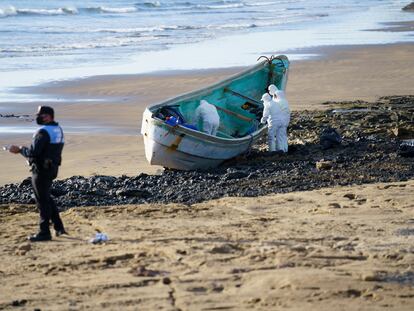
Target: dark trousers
<point>45,204</point>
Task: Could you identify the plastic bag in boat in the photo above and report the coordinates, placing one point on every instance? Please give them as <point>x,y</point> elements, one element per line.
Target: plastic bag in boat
<point>171,120</point>
<point>170,111</point>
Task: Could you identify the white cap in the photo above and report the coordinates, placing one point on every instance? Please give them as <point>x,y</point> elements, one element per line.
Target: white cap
<point>204,102</point>
<point>266,97</point>
<point>272,89</point>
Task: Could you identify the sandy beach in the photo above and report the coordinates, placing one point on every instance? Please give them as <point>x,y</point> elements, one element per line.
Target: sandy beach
<point>340,74</point>
<point>315,229</point>
<point>343,248</point>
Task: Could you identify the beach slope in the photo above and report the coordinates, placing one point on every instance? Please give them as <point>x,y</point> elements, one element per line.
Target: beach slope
<point>343,248</point>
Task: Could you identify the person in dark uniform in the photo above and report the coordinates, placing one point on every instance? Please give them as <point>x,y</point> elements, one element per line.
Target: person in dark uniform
<point>44,156</point>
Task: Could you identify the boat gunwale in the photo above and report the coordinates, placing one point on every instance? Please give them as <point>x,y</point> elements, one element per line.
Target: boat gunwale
<point>178,130</point>
<point>216,85</point>
<point>221,83</point>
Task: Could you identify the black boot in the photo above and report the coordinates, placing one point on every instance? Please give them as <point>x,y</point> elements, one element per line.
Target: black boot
<point>40,237</point>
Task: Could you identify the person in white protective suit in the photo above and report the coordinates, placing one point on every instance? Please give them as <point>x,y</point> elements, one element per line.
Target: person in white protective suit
<point>279,97</point>
<point>207,115</point>
<point>273,115</point>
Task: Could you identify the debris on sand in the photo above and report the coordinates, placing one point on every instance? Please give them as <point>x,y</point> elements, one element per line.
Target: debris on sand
<point>369,152</point>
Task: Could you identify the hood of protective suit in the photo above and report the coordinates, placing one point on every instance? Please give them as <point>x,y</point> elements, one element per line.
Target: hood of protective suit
<point>206,112</point>
<point>272,89</point>
<point>204,103</point>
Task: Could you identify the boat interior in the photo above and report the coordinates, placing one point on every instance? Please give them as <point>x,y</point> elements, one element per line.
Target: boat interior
<point>237,101</point>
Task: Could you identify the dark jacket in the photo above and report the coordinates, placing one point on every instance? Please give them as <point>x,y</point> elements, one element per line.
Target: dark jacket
<point>45,152</point>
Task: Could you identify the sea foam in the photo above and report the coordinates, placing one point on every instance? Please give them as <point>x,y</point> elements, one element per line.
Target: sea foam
<point>13,11</point>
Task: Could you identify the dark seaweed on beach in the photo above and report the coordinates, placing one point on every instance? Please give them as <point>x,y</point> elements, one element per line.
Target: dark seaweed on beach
<point>370,151</point>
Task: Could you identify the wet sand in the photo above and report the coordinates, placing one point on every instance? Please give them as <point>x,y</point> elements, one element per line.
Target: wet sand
<point>342,73</point>
<point>343,248</point>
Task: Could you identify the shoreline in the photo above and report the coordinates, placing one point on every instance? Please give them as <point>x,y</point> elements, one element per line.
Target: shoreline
<point>315,229</point>
<point>335,76</point>
<point>71,87</point>
<point>72,90</point>
<point>315,32</point>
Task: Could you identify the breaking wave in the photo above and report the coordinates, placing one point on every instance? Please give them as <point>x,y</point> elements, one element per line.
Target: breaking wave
<point>135,7</point>
<point>12,11</point>
<point>103,9</point>
<point>108,42</point>
<point>221,5</point>
<point>149,4</point>
<point>9,11</point>
<point>159,28</point>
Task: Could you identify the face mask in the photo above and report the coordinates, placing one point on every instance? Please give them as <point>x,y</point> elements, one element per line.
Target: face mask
<point>39,120</point>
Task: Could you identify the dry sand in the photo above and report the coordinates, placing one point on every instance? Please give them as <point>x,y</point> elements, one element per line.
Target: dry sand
<point>346,73</point>
<point>347,248</point>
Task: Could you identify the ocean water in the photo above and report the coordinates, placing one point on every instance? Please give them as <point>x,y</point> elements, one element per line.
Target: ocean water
<point>46,40</point>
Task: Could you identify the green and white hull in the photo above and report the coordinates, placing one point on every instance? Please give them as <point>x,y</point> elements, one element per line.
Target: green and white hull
<point>183,148</point>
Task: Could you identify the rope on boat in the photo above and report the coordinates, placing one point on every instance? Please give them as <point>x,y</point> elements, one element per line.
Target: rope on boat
<point>270,60</point>
<point>270,74</point>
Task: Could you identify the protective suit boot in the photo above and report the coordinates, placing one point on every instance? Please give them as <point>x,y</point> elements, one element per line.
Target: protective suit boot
<point>272,146</point>
<point>40,237</point>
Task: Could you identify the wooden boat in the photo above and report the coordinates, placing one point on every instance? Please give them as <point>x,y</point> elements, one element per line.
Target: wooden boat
<point>237,100</point>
